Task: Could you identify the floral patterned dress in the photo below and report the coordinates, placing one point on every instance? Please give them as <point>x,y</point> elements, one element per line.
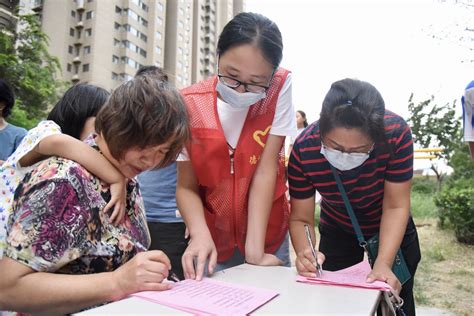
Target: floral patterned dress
<point>57,224</point>
<point>11,172</point>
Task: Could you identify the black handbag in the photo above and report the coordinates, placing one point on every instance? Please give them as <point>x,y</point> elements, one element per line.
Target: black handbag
<point>371,247</point>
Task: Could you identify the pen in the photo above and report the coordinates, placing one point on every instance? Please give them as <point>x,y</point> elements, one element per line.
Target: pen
<point>319,270</point>
<point>173,276</point>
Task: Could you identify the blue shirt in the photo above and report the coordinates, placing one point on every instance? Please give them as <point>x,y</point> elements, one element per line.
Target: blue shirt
<point>10,138</point>
<point>158,189</point>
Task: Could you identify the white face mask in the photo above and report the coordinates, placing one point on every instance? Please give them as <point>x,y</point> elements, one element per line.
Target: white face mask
<point>237,99</point>
<point>343,161</point>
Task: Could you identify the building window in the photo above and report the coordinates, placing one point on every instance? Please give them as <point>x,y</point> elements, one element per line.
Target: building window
<point>71,31</point>
<point>69,67</point>
<point>126,77</point>
<point>85,68</point>
<point>159,35</point>
<point>159,20</point>
<point>143,52</point>
<point>158,64</point>
<point>88,32</point>
<point>179,65</point>
<point>160,6</point>
<point>116,26</point>
<point>181,24</point>
<point>118,9</point>
<point>89,15</point>
<point>158,50</point>
<point>141,4</point>
<point>132,63</point>
<point>180,51</point>
<point>116,42</point>
<point>115,59</point>
<point>73,13</point>
<point>87,50</point>
<point>70,49</point>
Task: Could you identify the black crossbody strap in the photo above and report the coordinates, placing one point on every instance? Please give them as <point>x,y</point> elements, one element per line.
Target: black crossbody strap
<point>350,211</point>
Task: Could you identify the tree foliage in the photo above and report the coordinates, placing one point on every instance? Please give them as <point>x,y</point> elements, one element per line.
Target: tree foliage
<point>31,71</point>
<point>435,126</point>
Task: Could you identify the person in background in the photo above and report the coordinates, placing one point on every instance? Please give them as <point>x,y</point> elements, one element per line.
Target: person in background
<point>63,254</point>
<point>301,124</point>
<point>69,121</point>
<point>10,135</point>
<point>467,102</point>
<point>371,149</point>
<point>158,189</point>
<point>231,179</point>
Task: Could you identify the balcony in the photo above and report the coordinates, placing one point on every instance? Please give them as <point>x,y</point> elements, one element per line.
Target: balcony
<point>77,60</point>
<point>75,78</point>
<point>37,5</point>
<point>80,25</point>
<point>80,5</point>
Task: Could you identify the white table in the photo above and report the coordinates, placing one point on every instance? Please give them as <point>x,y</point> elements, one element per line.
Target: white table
<point>294,297</point>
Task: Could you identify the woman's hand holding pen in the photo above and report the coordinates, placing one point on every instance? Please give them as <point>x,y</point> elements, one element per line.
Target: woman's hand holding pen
<point>305,263</point>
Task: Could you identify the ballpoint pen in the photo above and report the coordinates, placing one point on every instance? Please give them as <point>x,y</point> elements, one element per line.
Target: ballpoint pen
<point>319,270</point>
<point>171,276</point>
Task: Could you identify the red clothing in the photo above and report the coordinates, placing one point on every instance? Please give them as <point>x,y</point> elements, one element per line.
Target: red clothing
<point>224,176</point>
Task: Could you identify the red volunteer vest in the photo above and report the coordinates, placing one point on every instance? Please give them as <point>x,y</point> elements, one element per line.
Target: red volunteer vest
<point>224,183</point>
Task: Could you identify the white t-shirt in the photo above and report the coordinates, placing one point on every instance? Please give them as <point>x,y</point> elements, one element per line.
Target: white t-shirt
<point>233,119</point>
<point>468,115</point>
<point>11,173</point>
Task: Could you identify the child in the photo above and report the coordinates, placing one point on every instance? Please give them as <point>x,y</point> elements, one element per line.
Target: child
<point>46,140</point>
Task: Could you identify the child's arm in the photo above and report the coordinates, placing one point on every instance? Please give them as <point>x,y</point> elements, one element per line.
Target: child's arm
<point>68,147</point>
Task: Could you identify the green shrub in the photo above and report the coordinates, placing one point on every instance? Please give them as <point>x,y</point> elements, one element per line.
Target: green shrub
<point>457,206</point>
<point>422,205</point>
<point>423,185</point>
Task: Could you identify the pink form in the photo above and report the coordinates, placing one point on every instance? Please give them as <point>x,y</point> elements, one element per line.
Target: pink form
<point>354,276</point>
<point>210,297</point>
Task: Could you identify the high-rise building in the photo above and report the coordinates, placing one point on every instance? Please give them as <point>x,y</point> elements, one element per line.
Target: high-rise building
<point>210,17</point>
<point>7,7</point>
<point>179,41</point>
<point>106,42</point>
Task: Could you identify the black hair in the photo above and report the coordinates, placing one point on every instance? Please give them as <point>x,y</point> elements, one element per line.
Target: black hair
<point>79,103</point>
<point>7,97</point>
<point>153,71</point>
<point>253,28</point>
<point>352,103</point>
<point>303,115</point>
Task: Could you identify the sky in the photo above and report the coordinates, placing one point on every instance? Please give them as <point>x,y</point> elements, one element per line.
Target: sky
<point>401,47</point>
<point>387,43</point>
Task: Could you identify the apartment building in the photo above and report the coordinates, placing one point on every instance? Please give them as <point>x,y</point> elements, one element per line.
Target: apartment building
<point>7,8</point>
<point>106,42</point>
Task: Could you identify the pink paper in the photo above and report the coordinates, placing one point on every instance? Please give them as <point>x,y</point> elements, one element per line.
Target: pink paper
<point>354,276</point>
<point>210,297</point>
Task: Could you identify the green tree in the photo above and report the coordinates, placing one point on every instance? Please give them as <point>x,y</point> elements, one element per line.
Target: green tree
<point>436,125</point>
<point>31,71</point>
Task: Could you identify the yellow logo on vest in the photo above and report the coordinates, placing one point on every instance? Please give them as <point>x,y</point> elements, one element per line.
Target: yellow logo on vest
<point>258,135</point>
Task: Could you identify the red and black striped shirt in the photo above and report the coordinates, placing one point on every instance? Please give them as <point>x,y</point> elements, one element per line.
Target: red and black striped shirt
<point>308,171</point>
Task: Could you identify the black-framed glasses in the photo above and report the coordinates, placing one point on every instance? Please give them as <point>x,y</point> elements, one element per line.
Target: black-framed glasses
<point>234,83</point>
<point>362,152</point>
